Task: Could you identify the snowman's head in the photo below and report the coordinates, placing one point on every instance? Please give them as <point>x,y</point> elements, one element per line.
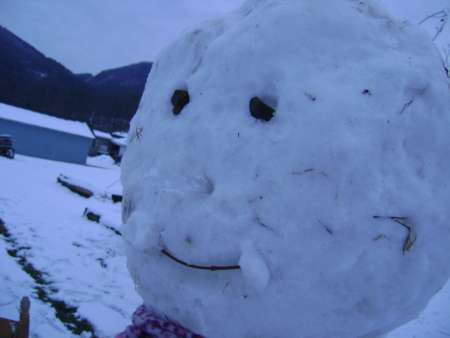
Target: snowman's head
<point>300,146</point>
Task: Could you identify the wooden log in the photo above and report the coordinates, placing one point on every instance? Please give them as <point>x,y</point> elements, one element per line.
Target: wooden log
<point>74,188</point>
<point>116,198</point>
<point>91,215</point>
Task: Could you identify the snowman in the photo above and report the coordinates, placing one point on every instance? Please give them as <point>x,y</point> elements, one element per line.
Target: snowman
<point>286,174</point>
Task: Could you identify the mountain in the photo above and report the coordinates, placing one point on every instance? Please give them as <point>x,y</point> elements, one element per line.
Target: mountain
<point>30,80</point>
<point>116,94</point>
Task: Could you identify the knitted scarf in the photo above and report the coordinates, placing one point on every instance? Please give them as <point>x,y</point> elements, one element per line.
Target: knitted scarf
<point>146,325</point>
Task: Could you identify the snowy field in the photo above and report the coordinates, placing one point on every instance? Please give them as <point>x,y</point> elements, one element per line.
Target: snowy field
<point>81,263</point>
<point>73,264</point>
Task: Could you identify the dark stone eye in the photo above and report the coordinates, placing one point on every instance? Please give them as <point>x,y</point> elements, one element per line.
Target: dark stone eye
<point>180,98</point>
<point>260,110</point>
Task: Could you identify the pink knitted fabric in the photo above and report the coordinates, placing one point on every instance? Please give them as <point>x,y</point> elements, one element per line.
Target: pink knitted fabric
<point>146,325</point>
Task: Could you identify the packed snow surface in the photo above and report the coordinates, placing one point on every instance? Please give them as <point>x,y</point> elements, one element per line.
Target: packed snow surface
<point>102,161</point>
<point>335,209</point>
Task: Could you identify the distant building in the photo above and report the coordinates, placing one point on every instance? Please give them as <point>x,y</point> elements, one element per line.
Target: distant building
<point>101,145</point>
<point>118,148</point>
<point>44,136</point>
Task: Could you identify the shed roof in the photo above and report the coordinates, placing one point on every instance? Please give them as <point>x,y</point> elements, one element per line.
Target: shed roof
<point>119,141</point>
<point>101,134</point>
<point>41,120</point>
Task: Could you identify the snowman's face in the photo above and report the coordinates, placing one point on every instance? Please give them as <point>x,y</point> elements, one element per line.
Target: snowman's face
<point>256,148</point>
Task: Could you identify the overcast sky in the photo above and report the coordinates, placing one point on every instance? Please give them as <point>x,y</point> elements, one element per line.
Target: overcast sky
<point>88,36</point>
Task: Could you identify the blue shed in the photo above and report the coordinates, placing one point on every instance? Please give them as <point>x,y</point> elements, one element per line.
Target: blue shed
<point>44,136</point>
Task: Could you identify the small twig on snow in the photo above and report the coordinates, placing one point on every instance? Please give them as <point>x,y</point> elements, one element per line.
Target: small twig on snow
<point>442,16</point>
<point>446,57</point>
<point>411,238</point>
<point>406,106</point>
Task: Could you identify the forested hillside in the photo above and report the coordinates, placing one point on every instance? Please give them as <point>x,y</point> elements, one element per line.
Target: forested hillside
<point>30,80</point>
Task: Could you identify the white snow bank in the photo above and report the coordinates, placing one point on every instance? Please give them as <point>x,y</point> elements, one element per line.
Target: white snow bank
<point>343,192</point>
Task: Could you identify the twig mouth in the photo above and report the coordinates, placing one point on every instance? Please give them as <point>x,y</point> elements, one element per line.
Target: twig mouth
<point>210,268</point>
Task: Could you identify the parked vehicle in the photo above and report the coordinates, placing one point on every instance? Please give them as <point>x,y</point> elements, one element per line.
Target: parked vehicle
<point>6,148</point>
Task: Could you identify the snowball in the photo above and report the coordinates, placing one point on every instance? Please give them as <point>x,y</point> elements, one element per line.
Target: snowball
<point>306,142</point>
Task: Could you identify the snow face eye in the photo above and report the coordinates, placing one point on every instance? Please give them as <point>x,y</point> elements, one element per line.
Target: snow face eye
<point>261,110</point>
<point>180,98</point>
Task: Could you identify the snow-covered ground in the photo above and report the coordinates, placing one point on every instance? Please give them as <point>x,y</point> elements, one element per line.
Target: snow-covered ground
<point>82,262</point>
<point>76,261</point>
<point>102,161</point>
